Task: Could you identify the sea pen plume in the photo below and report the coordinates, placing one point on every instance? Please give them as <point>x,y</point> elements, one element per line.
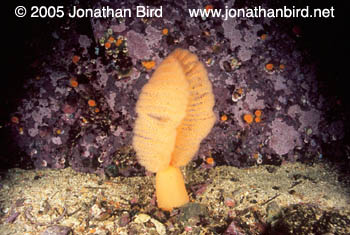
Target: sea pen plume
<point>174,114</point>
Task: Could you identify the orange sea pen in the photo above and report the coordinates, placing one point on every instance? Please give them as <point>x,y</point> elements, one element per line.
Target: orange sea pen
<point>175,113</point>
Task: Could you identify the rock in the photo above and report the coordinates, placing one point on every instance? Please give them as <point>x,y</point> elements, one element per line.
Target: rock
<point>57,230</point>
<point>307,219</point>
<point>191,210</point>
<point>273,211</point>
<point>124,219</point>
<point>143,218</point>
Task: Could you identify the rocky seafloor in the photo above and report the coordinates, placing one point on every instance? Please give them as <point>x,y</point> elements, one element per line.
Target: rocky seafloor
<point>72,94</point>
<point>291,199</point>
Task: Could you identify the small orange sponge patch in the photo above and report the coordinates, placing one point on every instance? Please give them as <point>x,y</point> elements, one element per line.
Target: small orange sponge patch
<point>175,113</point>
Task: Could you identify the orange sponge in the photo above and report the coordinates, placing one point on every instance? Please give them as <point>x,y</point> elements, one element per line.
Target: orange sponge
<point>175,113</point>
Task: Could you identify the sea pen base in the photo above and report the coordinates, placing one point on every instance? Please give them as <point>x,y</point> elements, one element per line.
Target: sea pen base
<point>170,189</point>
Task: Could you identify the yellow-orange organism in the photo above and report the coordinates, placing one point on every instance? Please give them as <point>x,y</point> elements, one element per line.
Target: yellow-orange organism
<point>269,67</point>
<point>148,64</point>
<point>73,82</point>
<point>119,42</point>
<point>224,118</point>
<point>111,39</point>
<point>248,118</point>
<point>108,45</point>
<point>174,114</point>
<point>263,36</point>
<point>165,31</point>
<point>258,113</point>
<point>256,156</point>
<point>92,103</point>
<point>257,119</point>
<point>15,119</point>
<point>75,59</point>
<point>208,7</point>
<point>210,161</point>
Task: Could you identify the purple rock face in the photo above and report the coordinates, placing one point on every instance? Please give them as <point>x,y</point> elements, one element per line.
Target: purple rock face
<point>58,128</point>
<point>138,46</point>
<point>284,138</point>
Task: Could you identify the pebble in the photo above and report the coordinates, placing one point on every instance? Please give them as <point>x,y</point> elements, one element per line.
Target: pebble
<point>124,219</point>
<point>143,218</point>
<point>57,230</point>
<point>56,140</point>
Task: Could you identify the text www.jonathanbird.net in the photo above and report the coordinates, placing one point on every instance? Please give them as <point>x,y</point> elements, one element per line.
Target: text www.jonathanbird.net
<point>259,11</point>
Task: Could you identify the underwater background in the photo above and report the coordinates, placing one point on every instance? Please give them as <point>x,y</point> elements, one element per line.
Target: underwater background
<point>276,161</point>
